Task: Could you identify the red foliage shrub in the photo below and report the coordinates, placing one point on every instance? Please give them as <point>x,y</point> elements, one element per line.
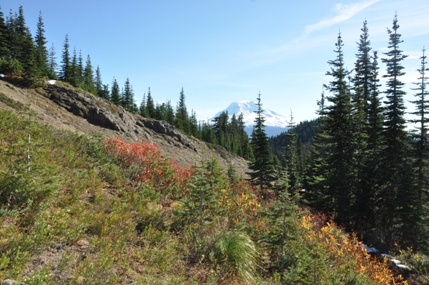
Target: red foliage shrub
<point>152,166</point>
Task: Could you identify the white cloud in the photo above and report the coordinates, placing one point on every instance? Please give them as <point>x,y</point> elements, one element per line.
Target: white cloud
<point>344,12</point>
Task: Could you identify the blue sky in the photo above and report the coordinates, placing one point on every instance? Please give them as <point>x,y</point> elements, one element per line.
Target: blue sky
<point>224,51</point>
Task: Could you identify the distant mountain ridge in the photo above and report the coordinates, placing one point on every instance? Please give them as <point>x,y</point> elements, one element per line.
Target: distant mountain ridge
<point>274,122</point>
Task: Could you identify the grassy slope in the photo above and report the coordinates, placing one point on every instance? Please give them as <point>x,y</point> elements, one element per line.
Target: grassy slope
<point>69,217</point>
<point>70,212</point>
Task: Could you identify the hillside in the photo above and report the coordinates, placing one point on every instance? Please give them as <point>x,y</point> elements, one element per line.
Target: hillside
<point>77,209</point>
<point>66,108</point>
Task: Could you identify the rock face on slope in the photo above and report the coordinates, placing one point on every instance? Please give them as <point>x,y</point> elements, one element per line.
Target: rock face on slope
<point>64,107</point>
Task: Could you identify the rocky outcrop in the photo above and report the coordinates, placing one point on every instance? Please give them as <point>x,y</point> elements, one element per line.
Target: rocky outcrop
<point>95,110</point>
<point>104,114</point>
<point>65,107</point>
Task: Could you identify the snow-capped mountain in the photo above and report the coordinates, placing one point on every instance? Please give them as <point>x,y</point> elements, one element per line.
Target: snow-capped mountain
<point>274,122</point>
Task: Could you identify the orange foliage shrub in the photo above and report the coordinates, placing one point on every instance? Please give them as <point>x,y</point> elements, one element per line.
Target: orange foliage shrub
<point>240,203</point>
<point>343,248</point>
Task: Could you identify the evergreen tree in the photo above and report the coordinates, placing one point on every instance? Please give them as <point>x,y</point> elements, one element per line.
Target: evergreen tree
<point>333,183</point>
<point>193,125</point>
<point>339,127</point>
<point>4,50</point>
<point>375,113</point>
<point>79,69</point>
<point>207,133</point>
<point>220,127</point>
<point>41,54</point>
<point>169,113</point>
<point>160,111</point>
<point>142,109</point>
<point>362,211</point>
<point>182,118</point>
<point>65,61</point>
<point>229,133</point>
<point>302,135</point>
<point>233,134</point>
<point>99,84</point>
<point>294,176</point>
<point>88,76</point>
<point>363,68</point>
<point>245,147</point>
<point>262,168</point>
<point>22,49</point>
<point>371,182</point>
<point>128,97</point>
<point>421,153</point>
<point>396,199</point>
<point>52,63</point>
<point>21,43</point>
<point>150,105</point>
<point>317,193</point>
<point>8,63</point>
<point>75,77</point>
<point>105,92</point>
<point>115,96</point>
<point>12,36</point>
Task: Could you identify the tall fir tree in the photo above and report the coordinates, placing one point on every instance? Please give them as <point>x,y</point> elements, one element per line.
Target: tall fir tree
<point>397,199</point>
<point>150,105</point>
<point>22,49</point>
<point>21,43</point>
<point>105,93</point>
<point>142,108</point>
<point>333,184</point>
<point>371,182</point>
<point>421,153</point>
<point>169,113</point>
<point>79,68</point>
<point>4,50</point>
<point>193,125</point>
<point>294,176</point>
<point>245,148</point>
<point>101,89</point>
<point>375,115</point>
<point>41,52</point>
<point>65,61</point>
<point>220,127</point>
<point>52,62</point>
<point>339,127</point>
<point>75,77</point>
<point>12,36</point>
<point>362,211</point>
<point>182,117</point>
<point>233,131</point>
<point>98,84</point>
<point>88,76</point>
<point>262,172</point>
<point>128,97</point>
<point>115,95</point>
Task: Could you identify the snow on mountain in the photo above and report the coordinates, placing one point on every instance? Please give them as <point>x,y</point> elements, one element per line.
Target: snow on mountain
<point>274,122</point>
